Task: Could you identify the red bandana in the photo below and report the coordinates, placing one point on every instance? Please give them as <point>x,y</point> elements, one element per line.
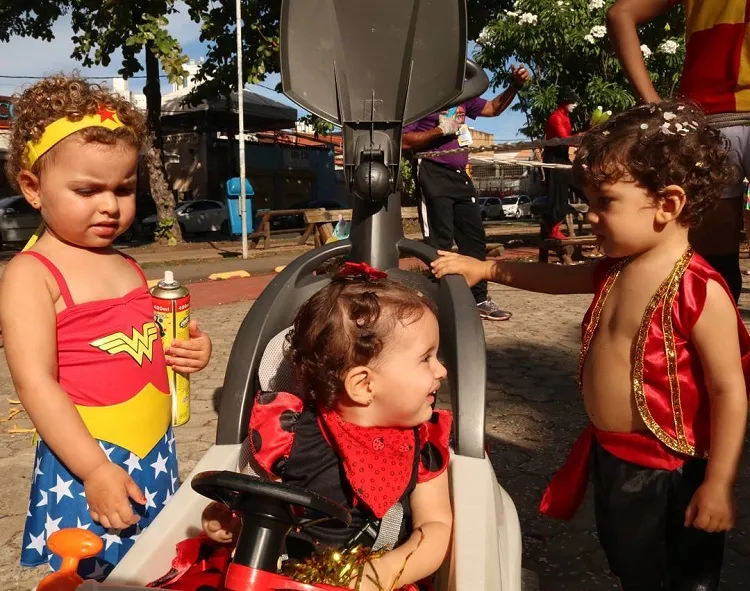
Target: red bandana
<point>378,461</point>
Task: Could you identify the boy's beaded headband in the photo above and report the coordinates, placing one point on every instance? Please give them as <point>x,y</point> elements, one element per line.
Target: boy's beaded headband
<point>58,130</point>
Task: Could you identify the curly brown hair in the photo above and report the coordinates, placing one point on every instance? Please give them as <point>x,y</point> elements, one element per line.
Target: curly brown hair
<point>657,145</point>
<point>58,96</point>
<point>344,325</point>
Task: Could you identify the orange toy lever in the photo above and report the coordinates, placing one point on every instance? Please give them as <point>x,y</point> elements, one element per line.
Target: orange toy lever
<point>72,545</point>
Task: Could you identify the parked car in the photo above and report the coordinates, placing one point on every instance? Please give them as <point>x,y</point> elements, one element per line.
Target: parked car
<point>196,217</point>
<point>491,208</point>
<point>517,206</point>
<point>18,219</point>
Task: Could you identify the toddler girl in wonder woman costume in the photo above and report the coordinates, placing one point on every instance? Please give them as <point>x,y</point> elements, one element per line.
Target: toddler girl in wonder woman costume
<point>82,347</point>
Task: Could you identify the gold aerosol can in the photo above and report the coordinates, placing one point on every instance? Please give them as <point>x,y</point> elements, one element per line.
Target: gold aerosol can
<point>172,316</point>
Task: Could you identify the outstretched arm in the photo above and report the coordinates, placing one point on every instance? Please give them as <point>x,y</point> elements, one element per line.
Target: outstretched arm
<point>416,140</point>
<point>504,99</point>
<point>622,22</point>
<point>716,339</point>
<point>538,277</point>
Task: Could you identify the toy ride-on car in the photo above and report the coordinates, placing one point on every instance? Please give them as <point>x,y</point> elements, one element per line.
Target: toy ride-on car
<point>370,67</point>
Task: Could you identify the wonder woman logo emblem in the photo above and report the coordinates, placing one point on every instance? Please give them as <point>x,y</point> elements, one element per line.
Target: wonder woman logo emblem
<point>138,346</point>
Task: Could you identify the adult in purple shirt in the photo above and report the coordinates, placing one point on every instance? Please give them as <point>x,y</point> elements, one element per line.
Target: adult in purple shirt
<point>448,208</point>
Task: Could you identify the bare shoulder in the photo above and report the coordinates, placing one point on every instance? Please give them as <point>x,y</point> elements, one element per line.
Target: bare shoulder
<point>718,296</point>
<point>22,274</point>
<point>26,288</point>
<point>719,312</point>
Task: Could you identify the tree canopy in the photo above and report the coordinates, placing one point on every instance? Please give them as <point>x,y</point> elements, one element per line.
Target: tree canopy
<point>565,45</point>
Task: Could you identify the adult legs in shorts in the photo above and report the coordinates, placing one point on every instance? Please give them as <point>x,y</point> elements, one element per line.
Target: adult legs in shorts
<point>717,239</point>
<point>640,516</point>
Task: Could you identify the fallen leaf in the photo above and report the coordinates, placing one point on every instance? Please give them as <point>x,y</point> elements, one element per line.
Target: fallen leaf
<point>15,429</point>
<point>12,413</point>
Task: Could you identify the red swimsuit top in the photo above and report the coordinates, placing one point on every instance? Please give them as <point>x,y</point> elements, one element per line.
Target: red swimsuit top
<point>111,364</point>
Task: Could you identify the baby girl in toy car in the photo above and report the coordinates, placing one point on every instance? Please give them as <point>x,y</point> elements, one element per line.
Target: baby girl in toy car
<point>360,430</point>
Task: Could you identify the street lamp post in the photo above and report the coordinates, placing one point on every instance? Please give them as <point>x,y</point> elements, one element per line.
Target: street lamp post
<point>241,109</point>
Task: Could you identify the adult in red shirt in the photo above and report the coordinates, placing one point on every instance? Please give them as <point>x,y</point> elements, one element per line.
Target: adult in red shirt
<point>558,180</point>
<point>716,75</point>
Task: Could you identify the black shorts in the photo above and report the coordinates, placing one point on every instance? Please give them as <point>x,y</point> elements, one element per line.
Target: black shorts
<point>640,516</point>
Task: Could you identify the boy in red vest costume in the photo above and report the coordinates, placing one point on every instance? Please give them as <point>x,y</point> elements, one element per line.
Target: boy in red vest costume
<point>664,354</point>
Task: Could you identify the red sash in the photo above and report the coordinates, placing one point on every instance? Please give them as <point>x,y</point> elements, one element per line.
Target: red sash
<point>567,488</point>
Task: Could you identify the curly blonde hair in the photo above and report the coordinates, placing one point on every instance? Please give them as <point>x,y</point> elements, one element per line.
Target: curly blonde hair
<point>71,96</point>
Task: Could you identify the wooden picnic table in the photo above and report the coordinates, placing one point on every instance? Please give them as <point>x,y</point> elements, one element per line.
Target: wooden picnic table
<point>264,231</point>
<point>323,220</point>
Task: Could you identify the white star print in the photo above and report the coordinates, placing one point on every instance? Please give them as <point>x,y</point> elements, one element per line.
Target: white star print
<point>37,543</point>
<point>167,498</point>
<point>171,444</point>
<point>159,466</point>
<point>37,471</point>
<point>52,525</point>
<point>83,494</point>
<point>80,525</point>
<point>99,570</point>
<point>174,481</point>
<point>150,498</point>
<point>43,502</point>
<point>132,463</point>
<point>62,488</point>
<point>107,451</point>
<point>110,539</point>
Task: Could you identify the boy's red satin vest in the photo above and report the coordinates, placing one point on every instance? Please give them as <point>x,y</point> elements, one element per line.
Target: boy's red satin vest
<point>668,381</point>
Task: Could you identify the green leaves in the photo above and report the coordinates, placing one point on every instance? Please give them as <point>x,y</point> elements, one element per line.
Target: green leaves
<point>565,44</point>
<point>18,17</point>
<point>320,126</point>
<point>260,44</point>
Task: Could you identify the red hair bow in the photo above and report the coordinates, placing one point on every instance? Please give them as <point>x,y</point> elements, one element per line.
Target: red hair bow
<point>351,269</point>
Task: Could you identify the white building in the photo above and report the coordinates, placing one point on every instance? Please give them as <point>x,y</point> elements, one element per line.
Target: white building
<point>181,88</point>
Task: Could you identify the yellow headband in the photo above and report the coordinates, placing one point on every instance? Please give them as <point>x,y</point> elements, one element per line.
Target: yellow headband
<point>58,130</point>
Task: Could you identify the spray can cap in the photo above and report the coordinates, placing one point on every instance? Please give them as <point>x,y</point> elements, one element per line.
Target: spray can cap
<point>168,281</point>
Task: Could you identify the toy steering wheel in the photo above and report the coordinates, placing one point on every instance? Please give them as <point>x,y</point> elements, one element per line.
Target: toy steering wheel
<point>266,509</point>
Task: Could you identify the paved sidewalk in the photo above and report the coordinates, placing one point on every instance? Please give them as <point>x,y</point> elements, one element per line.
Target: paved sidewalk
<point>534,414</point>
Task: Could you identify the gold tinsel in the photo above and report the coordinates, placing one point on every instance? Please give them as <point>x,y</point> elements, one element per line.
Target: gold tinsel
<point>340,568</point>
<point>331,566</point>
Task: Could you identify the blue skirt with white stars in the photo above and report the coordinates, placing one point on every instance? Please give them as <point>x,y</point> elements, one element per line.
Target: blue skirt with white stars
<point>57,501</point>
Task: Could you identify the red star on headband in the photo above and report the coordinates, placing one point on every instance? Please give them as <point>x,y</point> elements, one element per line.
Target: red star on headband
<point>106,113</point>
